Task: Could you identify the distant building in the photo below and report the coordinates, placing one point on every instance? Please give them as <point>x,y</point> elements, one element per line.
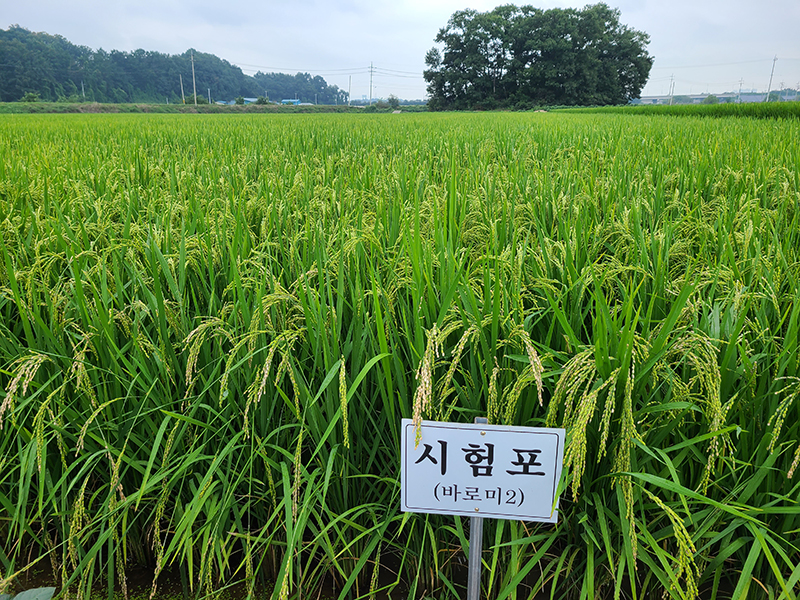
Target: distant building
<point>685,98</point>
<point>233,102</point>
<point>294,101</point>
<point>752,97</point>
<point>732,97</point>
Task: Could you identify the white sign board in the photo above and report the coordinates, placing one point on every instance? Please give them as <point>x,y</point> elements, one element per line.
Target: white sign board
<point>476,470</point>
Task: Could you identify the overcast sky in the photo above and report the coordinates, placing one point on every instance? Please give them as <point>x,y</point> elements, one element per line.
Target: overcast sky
<point>706,45</point>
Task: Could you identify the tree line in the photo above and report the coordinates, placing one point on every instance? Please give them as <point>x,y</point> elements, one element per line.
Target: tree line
<point>53,69</point>
<point>525,56</point>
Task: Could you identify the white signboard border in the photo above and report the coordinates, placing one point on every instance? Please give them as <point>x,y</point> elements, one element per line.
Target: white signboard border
<point>430,426</point>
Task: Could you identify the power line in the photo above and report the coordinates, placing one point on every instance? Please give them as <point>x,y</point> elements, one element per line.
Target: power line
<point>694,82</point>
<point>371,70</point>
<point>396,71</point>
<point>253,72</point>
<point>741,62</point>
<point>393,76</point>
<point>285,69</point>
<point>384,74</point>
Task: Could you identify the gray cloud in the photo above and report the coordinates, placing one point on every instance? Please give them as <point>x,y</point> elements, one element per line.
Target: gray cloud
<point>702,44</point>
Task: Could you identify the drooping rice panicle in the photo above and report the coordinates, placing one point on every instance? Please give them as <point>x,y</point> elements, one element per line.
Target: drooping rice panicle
<point>188,304</point>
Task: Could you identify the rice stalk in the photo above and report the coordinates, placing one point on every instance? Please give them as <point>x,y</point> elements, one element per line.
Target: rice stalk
<point>686,566</point>
<point>424,376</point>
<point>640,273</point>
<point>343,402</point>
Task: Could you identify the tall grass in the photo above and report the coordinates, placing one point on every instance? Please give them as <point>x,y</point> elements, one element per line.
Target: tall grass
<point>756,110</point>
<point>211,327</point>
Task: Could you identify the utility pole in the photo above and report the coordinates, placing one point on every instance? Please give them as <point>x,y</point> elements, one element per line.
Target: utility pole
<point>209,95</point>
<point>182,96</point>
<point>83,91</point>
<point>370,82</point>
<point>194,84</point>
<point>349,87</point>
<point>769,87</point>
<point>671,88</point>
<point>739,97</point>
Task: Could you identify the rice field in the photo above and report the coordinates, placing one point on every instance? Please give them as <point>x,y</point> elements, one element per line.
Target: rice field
<point>211,326</point>
<point>756,110</point>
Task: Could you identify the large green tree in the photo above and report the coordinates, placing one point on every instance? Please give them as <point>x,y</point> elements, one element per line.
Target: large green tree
<point>517,56</point>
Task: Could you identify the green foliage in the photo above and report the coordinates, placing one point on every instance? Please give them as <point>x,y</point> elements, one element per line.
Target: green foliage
<point>55,69</point>
<point>512,55</point>
<point>393,101</point>
<point>379,106</point>
<point>710,99</point>
<point>71,99</point>
<point>30,97</point>
<point>34,594</point>
<point>206,348</point>
<point>239,101</point>
<point>756,110</point>
<point>200,99</point>
<point>93,107</point>
<point>301,85</point>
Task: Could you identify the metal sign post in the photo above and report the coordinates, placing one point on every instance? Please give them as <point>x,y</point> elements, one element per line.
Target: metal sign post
<point>475,547</point>
<point>480,471</point>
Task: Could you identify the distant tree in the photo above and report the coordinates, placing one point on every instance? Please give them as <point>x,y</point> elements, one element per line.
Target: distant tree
<point>30,97</point>
<point>511,56</point>
<point>71,99</point>
<point>239,100</point>
<point>302,86</point>
<point>774,96</point>
<point>261,100</point>
<point>56,69</point>
<point>394,102</point>
<point>710,99</point>
<point>682,100</point>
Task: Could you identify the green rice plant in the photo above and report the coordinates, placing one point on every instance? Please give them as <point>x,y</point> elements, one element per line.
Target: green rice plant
<point>758,110</point>
<point>211,327</point>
